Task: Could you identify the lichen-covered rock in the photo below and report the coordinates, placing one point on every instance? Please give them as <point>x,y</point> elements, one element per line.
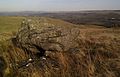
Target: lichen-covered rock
<point>38,34</point>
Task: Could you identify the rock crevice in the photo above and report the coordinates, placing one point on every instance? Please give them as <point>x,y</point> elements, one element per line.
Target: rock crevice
<point>33,36</point>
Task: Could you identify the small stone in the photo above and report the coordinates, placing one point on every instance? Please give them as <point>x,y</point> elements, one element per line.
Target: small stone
<point>30,59</point>
<point>44,58</point>
<point>28,65</point>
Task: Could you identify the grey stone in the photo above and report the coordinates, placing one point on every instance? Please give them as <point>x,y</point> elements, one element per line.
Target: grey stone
<point>46,35</point>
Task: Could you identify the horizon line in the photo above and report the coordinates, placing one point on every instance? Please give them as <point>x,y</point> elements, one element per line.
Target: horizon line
<point>65,10</point>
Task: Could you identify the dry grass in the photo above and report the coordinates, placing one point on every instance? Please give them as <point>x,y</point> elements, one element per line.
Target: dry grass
<point>97,57</point>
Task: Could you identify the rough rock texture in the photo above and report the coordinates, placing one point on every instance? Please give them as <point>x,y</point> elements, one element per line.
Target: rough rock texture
<point>45,34</point>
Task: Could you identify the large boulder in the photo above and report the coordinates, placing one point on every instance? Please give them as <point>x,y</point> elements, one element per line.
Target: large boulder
<point>46,34</point>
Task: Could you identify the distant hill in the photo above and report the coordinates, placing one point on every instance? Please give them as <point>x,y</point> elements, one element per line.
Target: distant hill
<point>22,13</point>
<point>107,18</point>
<point>46,13</point>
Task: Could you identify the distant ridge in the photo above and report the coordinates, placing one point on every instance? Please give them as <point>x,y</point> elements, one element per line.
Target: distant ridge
<point>40,13</point>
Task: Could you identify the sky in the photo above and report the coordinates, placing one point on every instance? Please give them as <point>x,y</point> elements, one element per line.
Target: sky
<point>58,5</point>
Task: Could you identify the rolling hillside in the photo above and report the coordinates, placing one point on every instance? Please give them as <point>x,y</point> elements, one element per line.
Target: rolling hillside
<point>97,54</point>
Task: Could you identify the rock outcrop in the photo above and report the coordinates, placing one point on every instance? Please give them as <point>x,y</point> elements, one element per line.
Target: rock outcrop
<point>45,34</point>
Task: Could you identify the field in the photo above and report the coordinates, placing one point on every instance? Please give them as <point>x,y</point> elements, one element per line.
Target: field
<point>99,54</point>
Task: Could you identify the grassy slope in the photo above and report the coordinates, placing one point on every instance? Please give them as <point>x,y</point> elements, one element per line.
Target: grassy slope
<point>9,24</point>
<point>99,53</point>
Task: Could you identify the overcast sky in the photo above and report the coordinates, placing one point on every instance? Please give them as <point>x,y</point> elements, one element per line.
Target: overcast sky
<point>58,5</point>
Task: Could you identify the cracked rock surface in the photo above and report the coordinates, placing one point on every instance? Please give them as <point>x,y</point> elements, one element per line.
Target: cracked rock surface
<point>44,33</point>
